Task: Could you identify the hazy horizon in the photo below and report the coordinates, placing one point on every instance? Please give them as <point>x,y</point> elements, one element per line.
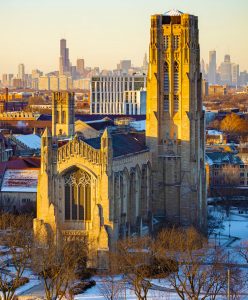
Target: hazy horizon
<point>103,32</point>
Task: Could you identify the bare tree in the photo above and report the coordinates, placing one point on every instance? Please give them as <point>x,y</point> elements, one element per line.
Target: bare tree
<point>57,262</point>
<point>192,268</point>
<point>16,236</point>
<point>112,285</point>
<point>215,222</point>
<point>228,176</point>
<point>243,250</point>
<point>133,257</point>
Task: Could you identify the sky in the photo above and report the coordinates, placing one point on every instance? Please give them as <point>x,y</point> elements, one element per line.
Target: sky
<point>105,31</point>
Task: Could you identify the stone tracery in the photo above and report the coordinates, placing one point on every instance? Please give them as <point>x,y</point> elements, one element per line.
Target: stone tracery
<point>77,195</point>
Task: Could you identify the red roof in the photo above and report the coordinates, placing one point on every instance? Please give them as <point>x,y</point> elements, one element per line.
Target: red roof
<point>18,163</point>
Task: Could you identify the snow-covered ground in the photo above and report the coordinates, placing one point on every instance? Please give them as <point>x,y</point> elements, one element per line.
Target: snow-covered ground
<point>234,230</point>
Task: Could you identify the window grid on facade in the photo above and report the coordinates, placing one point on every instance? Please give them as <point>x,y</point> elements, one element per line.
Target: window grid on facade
<point>176,77</point>
<point>176,103</point>
<point>166,42</point>
<point>166,103</point>
<point>176,40</point>
<point>166,77</point>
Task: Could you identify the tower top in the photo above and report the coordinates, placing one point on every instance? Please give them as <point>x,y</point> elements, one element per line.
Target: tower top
<point>173,12</point>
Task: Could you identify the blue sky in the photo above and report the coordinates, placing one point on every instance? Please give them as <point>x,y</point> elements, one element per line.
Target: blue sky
<point>103,32</point>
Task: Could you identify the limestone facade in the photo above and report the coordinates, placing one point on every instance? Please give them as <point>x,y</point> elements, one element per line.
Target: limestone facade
<point>99,187</point>
<point>175,119</point>
<point>105,187</point>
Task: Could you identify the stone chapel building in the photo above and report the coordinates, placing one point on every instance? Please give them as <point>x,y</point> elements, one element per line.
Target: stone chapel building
<point>107,187</point>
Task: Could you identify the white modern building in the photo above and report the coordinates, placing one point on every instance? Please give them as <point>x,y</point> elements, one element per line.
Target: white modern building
<point>124,95</point>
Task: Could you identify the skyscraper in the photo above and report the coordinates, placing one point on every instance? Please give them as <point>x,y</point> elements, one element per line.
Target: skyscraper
<point>203,70</point>
<point>80,66</point>
<point>64,62</point>
<point>145,63</point>
<point>175,118</point>
<point>226,70</point>
<point>212,67</point>
<point>124,65</point>
<point>21,71</point>
<point>235,75</point>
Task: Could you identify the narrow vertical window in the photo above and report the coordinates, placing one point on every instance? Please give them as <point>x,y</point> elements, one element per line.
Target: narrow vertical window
<point>166,77</point>
<point>63,117</point>
<point>166,42</point>
<point>176,103</point>
<point>67,202</point>
<point>166,103</point>
<point>176,41</point>
<point>176,87</point>
<point>176,77</point>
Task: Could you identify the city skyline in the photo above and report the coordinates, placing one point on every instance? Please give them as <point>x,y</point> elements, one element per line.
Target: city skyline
<point>91,35</point>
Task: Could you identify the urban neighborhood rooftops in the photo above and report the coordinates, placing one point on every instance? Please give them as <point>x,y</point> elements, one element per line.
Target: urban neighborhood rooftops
<point>30,141</point>
<point>223,158</point>
<point>24,180</point>
<point>20,174</point>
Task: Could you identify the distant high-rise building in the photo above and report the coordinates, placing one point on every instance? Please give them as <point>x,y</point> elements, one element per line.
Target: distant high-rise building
<point>54,83</point>
<point>226,71</point>
<point>65,83</point>
<point>36,74</point>
<point>243,78</point>
<point>203,70</point>
<point>80,66</point>
<point>235,75</point>
<point>124,65</point>
<point>17,83</point>
<point>145,63</point>
<point>44,83</point>
<point>64,62</point>
<point>212,67</point>
<point>21,71</point>
<point>5,79</point>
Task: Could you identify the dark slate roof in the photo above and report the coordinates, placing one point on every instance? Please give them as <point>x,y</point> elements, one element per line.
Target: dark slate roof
<point>95,142</point>
<point>44,117</point>
<point>101,125</point>
<point>123,144</point>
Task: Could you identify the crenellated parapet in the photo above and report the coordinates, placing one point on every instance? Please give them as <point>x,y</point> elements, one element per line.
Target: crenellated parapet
<point>75,148</point>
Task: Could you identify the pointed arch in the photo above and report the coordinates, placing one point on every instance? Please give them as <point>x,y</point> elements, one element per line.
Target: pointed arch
<point>77,191</point>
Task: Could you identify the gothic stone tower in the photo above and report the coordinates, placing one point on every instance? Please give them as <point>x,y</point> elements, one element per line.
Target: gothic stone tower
<point>63,114</point>
<point>175,119</point>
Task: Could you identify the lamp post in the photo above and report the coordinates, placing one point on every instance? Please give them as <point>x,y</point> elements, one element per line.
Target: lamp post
<point>228,284</point>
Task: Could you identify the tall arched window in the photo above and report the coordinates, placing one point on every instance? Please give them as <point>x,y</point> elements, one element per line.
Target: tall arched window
<point>77,195</point>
